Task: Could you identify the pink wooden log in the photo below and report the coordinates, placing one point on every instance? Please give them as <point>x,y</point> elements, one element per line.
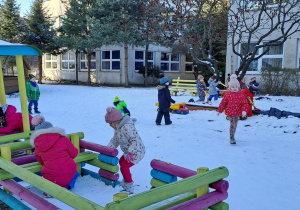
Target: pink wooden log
<point>201,202</point>
<point>109,175</point>
<point>220,186</point>
<point>24,159</point>
<point>172,169</point>
<point>82,149</point>
<point>99,148</point>
<point>27,195</point>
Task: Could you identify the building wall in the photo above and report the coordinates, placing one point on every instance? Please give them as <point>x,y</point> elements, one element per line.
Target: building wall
<point>113,77</point>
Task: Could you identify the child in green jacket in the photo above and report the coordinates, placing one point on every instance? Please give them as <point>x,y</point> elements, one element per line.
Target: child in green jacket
<point>122,106</point>
<point>33,94</point>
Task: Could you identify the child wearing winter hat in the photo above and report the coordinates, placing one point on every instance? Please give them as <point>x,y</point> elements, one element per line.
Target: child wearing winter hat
<point>249,93</point>
<point>56,153</point>
<point>201,86</point>
<point>33,94</point>
<point>122,106</point>
<point>212,89</point>
<point>164,102</point>
<point>235,105</point>
<point>127,137</point>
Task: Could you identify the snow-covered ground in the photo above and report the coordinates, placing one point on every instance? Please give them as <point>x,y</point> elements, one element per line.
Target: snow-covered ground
<point>263,167</point>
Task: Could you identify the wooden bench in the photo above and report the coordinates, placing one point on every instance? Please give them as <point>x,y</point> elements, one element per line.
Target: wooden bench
<point>180,85</point>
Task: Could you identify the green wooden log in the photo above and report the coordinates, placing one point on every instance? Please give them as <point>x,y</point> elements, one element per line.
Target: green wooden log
<point>48,187</point>
<point>182,198</point>
<point>16,136</point>
<point>169,190</point>
<point>18,145</point>
<point>36,166</point>
<point>220,206</point>
<point>100,164</point>
<point>80,134</point>
<point>157,183</point>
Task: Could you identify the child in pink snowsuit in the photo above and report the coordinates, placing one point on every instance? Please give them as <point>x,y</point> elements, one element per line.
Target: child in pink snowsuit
<point>235,105</point>
<point>127,137</point>
<point>56,153</point>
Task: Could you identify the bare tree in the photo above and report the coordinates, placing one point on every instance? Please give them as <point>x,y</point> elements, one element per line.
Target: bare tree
<point>260,24</point>
<point>197,27</point>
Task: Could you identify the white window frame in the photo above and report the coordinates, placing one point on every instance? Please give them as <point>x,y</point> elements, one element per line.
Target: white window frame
<point>170,62</point>
<point>143,59</point>
<point>259,61</point>
<point>51,61</point>
<point>85,61</point>
<point>68,61</point>
<point>110,60</point>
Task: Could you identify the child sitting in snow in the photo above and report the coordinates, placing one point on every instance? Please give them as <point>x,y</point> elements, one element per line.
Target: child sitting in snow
<point>212,89</point>
<point>235,105</point>
<point>127,137</point>
<point>201,86</point>
<point>122,106</point>
<point>56,153</point>
<point>164,102</point>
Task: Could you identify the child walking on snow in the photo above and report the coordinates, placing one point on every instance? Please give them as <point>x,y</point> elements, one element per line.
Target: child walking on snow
<point>33,94</point>
<point>201,86</point>
<point>235,105</point>
<point>164,102</point>
<point>127,137</point>
<point>212,89</point>
<point>56,153</point>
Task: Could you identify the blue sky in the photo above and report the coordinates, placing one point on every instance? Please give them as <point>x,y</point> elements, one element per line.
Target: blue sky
<point>24,6</point>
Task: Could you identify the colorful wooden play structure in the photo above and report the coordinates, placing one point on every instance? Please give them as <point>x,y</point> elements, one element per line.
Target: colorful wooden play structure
<point>191,190</point>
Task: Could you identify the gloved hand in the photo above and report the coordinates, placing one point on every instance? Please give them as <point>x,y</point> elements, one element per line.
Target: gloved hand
<point>129,157</point>
<point>244,113</point>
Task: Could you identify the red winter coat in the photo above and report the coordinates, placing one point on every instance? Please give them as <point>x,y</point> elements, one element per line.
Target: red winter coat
<point>14,120</point>
<point>247,93</point>
<point>234,104</point>
<point>56,153</point>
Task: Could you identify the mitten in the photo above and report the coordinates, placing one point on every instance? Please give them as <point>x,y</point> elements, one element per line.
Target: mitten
<point>244,113</point>
<point>3,124</point>
<point>129,157</point>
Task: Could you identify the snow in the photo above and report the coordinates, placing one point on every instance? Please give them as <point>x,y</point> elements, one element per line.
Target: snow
<point>263,166</point>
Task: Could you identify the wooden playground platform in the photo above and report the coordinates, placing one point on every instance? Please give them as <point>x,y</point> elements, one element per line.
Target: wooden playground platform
<point>195,106</point>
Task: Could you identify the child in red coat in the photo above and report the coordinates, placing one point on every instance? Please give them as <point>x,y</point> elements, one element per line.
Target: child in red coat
<point>56,153</point>
<point>235,105</point>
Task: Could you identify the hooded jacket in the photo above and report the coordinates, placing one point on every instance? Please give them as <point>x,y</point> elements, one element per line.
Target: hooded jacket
<point>234,104</point>
<point>127,137</point>
<point>32,92</point>
<point>164,97</point>
<point>13,119</point>
<point>56,153</point>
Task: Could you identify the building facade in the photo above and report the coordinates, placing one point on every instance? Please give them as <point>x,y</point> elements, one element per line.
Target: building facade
<point>107,65</point>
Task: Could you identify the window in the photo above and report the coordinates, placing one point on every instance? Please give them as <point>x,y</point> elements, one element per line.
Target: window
<point>189,64</point>
<point>140,59</point>
<point>169,62</point>
<point>51,61</point>
<point>110,60</point>
<point>68,61</point>
<point>273,58</point>
<point>84,61</point>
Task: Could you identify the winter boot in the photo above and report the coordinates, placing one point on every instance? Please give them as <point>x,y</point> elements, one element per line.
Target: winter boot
<point>37,111</point>
<point>209,102</point>
<point>232,141</point>
<point>128,187</point>
<point>29,111</point>
<point>122,183</point>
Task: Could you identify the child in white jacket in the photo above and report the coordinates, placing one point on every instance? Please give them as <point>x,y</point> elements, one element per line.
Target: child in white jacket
<point>127,137</point>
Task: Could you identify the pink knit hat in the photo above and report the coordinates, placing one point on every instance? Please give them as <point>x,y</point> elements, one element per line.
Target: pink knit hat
<point>113,115</point>
<point>234,82</point>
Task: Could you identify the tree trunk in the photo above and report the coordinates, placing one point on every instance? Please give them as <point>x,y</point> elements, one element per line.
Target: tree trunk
<point>76,65</point>
<point>89,66</point>
<point>146,64</point>
<point>126,54</point>
<point>40,69</point>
